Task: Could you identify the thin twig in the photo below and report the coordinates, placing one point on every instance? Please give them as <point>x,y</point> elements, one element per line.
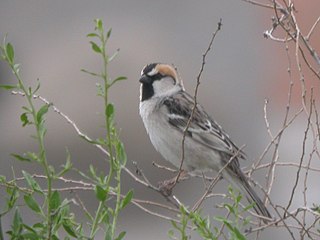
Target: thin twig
<point>288,164</point>
<point>195,99</point>
<point>258,4</point>
<point>215,180</point>
<point>309,162</point>
<point>257,163</point>
<point>301,161</point>
<point>275,158</point>
<point>266,118</point>
<point>79,132</point>
<point>164,167</point>
<point>312,29</point>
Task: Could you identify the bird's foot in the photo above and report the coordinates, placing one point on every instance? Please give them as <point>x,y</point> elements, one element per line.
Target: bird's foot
<point>166,186</point>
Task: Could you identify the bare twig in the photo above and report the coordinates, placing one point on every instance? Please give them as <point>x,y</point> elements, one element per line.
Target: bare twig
<point>301,160</point>
<point>215,180</point>
<point>164,167</point>
<point>79,132</point>
<point>257,163</point>
<point>275,158</point>
<point>312,29</point>
<point>266,118</point>
<point>258,4</point>
<point>195,98</point>
<point>288,164</point>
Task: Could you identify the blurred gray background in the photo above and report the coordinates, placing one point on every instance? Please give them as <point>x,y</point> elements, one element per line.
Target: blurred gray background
<point>241,71</point>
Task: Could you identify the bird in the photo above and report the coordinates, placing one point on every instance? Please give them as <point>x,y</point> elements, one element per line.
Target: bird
<point>165,108</point>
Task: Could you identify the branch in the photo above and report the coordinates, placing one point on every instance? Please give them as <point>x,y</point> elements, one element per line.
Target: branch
<point>195,97</point>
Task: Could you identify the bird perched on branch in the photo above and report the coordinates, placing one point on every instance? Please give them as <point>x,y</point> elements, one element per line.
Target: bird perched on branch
<point>165,108</point>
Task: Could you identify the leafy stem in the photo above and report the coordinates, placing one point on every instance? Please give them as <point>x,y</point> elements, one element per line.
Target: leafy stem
<point>112,143</point>
<point>37,120</point>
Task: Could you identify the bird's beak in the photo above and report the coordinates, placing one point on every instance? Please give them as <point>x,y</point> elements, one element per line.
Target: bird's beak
<point>145,79</point>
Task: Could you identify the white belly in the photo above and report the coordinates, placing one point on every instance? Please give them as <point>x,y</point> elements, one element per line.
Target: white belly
<point>168,142</point>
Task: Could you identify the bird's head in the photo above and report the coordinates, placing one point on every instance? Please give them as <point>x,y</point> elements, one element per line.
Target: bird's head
<point>158,80</point>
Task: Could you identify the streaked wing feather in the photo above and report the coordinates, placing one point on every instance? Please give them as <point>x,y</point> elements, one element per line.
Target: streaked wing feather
<point>202,129</point>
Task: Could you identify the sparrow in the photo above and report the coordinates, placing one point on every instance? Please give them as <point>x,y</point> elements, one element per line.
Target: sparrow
<point>165,108</point>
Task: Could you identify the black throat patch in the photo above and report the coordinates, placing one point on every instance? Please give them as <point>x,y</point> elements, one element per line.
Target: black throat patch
<point>147,91</point>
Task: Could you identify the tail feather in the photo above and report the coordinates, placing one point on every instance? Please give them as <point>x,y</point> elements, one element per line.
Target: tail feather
<point>252,196</point>
<point>239,180</point>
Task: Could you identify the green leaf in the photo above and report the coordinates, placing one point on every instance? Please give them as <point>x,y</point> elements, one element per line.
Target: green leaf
<point>17,223</point>
<point>171,233</point>
<point>230,208</point>
<point>109,33</point>
<point>121,236</point>
<point>32,156</point>
<point>126,200</point>
<point>238,199</point>
<point>221,219</point>
<point>24,119</point>
<point>235,231</point>
<point>20,158</point>
<point>31,236</point>
<point>105,218</point>
<point>92,35</point>
<point>31,182</point>
<point>14,195</point>
<point>32,204</point>
<point>91,73</point>
<point>68,228</point>
<point>101,194</point>
<point>92,171</point>
<point>109,110</point>
<point>120,78</point>
<point>54,237</point>
<point>175,225</point>
<point>30,229</point>
<point>249,207</point>
<point>65,208</point>
<point>121,153</point>
<point>98,24</point>
<point>29,91</point>
<point>16,67</point>
<point>2,178</point>
<point>28,110</point>
<point>37,87</point>
<point>39,225</point>
<point>246,221</point>
<point>108,233</point>
<point>8,87</point>
<point>10,52</point>
<point>42,111</point>
<point>55,201</point>
<point>95,47</point>
<point>67,166</point>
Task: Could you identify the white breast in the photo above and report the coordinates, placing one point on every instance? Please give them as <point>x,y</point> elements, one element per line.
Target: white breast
<point>168,141</point>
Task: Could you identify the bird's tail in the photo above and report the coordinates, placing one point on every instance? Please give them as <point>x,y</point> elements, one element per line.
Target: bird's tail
<point>241,182</point>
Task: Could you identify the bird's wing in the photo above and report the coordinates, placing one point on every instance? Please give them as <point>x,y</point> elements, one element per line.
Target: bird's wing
<point>202,128</point>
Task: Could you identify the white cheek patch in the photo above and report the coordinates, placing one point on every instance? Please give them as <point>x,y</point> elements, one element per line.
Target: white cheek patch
<point>152,72</point>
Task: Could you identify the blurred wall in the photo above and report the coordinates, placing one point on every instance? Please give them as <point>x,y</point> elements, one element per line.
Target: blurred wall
<point>51,45</point>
